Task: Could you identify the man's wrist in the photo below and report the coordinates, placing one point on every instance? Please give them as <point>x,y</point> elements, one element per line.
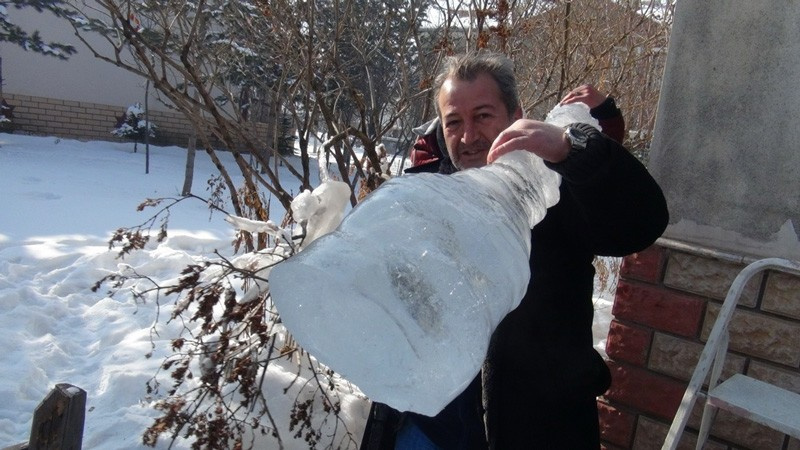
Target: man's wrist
<point>576,138</point>
<point>582,155</point>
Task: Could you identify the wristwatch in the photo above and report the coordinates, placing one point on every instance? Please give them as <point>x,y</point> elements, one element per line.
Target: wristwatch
<point>577,139</point>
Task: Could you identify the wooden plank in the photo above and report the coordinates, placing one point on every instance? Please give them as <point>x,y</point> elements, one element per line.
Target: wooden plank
<point>58,420</point>
<point>760,402</point>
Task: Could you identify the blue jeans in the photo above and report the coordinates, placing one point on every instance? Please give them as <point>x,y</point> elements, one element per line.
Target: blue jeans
<point>411,437</point>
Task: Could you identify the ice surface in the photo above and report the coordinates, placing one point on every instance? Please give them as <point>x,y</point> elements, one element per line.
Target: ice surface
<point>321,210</point>
<point>563,115</point>
<point>402,298</point>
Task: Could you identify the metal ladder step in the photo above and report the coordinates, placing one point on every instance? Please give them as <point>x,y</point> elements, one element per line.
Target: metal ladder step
<point>760,402</point>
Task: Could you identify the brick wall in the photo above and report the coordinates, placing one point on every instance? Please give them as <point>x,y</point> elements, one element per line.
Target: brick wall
<point>93,121</point>
<point>666,303</point>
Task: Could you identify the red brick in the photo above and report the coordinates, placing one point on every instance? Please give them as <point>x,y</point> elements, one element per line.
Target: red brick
<point>628,343</point>
<point>645,391</point>
<point>616,427</point>
<point>646,265</point>
<point>659,308</point>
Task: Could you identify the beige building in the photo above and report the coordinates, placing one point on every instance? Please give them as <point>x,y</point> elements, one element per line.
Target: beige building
<point>80,98</point>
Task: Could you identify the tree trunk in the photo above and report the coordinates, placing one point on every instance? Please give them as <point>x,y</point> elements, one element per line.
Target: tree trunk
<point>188,175</point>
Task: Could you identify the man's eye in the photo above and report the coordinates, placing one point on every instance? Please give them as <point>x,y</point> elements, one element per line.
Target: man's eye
<point>452,124</point>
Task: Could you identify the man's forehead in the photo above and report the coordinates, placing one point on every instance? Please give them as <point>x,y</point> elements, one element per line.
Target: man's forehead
<point>471,95</point>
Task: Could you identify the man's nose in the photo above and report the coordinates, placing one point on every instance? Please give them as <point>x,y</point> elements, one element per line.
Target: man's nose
<point>470,133</point>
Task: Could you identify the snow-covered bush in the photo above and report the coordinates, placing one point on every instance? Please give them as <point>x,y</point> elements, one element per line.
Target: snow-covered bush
<point>234,369</point>
<point>6,116</point>
<point>132,125</point>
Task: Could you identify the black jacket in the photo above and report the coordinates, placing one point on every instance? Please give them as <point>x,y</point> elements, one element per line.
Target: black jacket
<point>542,355</point>
<point>542,374</point>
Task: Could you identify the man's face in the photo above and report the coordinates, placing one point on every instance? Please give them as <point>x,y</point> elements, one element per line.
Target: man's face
<point>472,114</point>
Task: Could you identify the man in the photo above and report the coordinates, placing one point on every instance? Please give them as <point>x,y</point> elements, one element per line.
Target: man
<point>542,375</point>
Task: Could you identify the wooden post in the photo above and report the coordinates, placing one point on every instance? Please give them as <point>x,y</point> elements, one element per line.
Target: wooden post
<point>58,420</point>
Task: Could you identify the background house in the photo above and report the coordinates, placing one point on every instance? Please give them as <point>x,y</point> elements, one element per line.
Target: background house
<point>81,97</point>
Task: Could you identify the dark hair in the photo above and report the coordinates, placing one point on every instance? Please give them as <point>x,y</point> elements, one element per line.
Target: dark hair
<point>468,66</point>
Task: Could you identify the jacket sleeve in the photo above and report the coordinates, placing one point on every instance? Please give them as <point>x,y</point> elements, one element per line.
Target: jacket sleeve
<point>618,206</point>
<point>610,118</point>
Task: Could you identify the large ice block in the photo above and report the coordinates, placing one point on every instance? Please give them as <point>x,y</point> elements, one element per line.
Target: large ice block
<point>403,297</point>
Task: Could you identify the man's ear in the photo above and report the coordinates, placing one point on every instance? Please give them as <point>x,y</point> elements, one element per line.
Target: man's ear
<point>518,113</point>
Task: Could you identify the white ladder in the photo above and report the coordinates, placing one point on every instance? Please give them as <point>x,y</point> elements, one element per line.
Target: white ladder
<point>744,396</point>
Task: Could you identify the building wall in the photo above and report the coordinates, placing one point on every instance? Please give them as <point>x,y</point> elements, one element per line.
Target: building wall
<point>665,307</point>
<point>94,121</point>
<point>86,120</point>
<point>81,78</point>
<point>81,97</point>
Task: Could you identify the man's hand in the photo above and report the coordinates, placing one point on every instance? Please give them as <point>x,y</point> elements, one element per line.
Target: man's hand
<point>587,94</point>
<point>543,139</point>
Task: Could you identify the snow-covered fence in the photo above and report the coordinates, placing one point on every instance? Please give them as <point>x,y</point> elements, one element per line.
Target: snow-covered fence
<point>58,420</point>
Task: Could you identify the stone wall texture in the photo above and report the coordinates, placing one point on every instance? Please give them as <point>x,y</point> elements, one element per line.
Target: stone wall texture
<point>666,303</point>
<point>93,121</point>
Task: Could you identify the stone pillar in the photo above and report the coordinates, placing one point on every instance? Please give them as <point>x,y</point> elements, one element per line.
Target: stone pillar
<point>725,144</point>
<point>725,153</point>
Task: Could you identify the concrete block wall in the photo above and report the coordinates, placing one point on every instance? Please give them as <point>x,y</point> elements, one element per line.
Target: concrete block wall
<point>93,121</point>
<point>665,306</point>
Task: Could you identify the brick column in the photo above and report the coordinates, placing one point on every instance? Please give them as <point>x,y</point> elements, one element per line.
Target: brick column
<point>666,303</point>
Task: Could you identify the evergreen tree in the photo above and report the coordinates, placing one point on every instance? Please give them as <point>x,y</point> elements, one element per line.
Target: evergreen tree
<point>132,125</point>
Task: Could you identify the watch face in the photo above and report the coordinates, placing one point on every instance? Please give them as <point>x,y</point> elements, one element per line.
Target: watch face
<point>577,138</point>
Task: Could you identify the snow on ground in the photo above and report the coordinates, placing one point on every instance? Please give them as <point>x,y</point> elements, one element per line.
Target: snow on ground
<point>61,200</point>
